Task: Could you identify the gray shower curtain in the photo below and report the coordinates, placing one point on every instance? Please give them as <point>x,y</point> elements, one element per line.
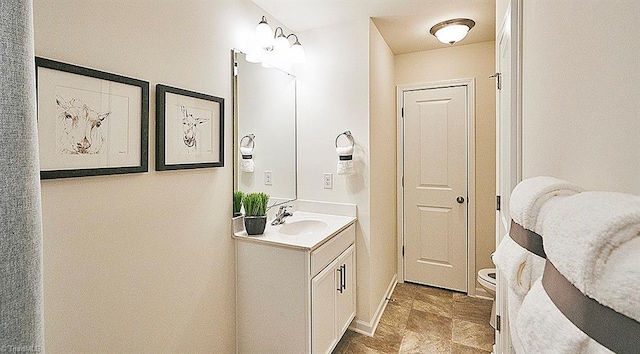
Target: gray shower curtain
<point>21,309</point>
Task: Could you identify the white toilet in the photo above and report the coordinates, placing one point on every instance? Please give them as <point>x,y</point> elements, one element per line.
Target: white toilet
<point>487,279</point>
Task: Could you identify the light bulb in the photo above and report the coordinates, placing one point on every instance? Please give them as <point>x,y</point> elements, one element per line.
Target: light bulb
<point>297,53</point>
<point>264,35</point>
<point>452,33</point>
<point>281,46</point>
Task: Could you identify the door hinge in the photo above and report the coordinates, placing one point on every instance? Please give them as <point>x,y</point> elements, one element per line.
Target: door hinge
<point>402,181</point>
<point>498,77</point>
<point>497,202</point>
<point>402,251</point>
<point>497,322</point>
<point>402,114</point>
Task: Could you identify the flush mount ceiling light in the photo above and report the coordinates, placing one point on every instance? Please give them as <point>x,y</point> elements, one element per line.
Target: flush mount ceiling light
<point>452,31</point>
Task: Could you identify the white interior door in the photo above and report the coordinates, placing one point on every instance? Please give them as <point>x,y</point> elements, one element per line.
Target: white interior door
<point>508,151</point>
<point>435,186</point>
<point>507,135</point>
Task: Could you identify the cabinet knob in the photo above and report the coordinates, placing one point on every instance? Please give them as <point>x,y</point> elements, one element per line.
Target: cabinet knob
<point>460,199</point>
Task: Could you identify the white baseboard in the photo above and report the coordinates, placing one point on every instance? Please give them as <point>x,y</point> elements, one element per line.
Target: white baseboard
<point>369,328</point>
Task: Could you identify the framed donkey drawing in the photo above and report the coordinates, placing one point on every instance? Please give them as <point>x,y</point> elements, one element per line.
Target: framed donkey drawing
<point>189,129</point>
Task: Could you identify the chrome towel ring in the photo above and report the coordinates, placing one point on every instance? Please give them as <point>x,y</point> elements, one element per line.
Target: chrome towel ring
<point>347,134</point>
<point>251,143</point>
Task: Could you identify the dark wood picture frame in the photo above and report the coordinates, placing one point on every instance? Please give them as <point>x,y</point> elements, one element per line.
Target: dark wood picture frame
<point>58,160</point>
<point>168,117</point>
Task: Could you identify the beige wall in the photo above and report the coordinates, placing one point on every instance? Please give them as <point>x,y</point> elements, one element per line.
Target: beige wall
<point>143,263</point>
<point>580,96</point>
<point>466,61</point>
<point>333,88</point>
<point>347,84</point>
<point>382,131</point>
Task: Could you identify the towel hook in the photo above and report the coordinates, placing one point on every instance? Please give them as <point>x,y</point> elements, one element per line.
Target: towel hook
<point>346,133</point>
<point>251,138</point>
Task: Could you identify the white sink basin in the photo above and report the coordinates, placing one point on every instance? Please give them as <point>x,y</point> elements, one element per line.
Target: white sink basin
<point>302,227</point>
<point>304,230</point>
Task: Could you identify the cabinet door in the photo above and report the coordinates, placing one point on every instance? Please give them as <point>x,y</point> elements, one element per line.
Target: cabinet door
<point>323,309</point>
<point>346,310</point>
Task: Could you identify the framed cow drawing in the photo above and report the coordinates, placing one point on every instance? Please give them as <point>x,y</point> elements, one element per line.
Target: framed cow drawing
<point>189,129</point>
<point>90,122</point>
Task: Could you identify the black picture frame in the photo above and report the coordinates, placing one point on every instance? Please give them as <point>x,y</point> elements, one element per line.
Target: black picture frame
<point>178,129</point>
<point>119,101</point>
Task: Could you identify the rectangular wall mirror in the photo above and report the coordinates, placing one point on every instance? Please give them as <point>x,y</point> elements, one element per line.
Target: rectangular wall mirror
<point>264,130</point>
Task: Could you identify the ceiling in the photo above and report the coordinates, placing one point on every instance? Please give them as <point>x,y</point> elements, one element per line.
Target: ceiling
<point>404,24</point>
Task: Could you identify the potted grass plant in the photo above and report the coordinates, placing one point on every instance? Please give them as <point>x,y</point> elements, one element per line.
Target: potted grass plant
<point>255,210</point>
<point>237,203</point>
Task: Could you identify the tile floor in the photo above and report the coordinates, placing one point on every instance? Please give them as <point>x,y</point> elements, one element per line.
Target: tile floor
<point>422,319</point>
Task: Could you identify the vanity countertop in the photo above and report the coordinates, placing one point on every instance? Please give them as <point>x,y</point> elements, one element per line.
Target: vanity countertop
<point>303,230</point>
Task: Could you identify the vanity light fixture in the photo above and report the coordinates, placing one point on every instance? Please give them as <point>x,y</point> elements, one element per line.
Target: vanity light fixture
<point>297,52</point>
<point>264,35</point>
<point>452,31</point>
<point>281,44</point>
<point>274,46</point>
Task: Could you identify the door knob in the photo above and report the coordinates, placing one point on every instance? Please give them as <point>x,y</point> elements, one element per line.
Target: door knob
<point>460,199</point>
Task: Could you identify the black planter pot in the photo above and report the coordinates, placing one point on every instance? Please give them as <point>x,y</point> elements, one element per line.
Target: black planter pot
<point>255,224</point>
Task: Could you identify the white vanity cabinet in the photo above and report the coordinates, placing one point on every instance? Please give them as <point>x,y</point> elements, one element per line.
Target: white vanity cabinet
<point>294,299</point>
<point>332,302</point>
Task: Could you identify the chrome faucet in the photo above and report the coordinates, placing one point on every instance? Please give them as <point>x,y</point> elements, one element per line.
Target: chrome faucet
<point>282,213</point>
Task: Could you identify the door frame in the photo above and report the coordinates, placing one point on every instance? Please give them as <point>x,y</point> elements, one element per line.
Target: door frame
<point>513,18</point>
<point>471,172</point>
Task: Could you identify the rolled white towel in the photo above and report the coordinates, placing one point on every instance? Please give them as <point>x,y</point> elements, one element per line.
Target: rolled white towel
<point>345,167</point>
<point>513,308</point>
<point>244,150</point>
<point>529,195</point>
<point>521,269</point>
<point>530,201</point>
<point>542,328</point>
<point>246,163</point>
<point>345,150</point>
<point>345,164</point>
<point>593,239</point>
